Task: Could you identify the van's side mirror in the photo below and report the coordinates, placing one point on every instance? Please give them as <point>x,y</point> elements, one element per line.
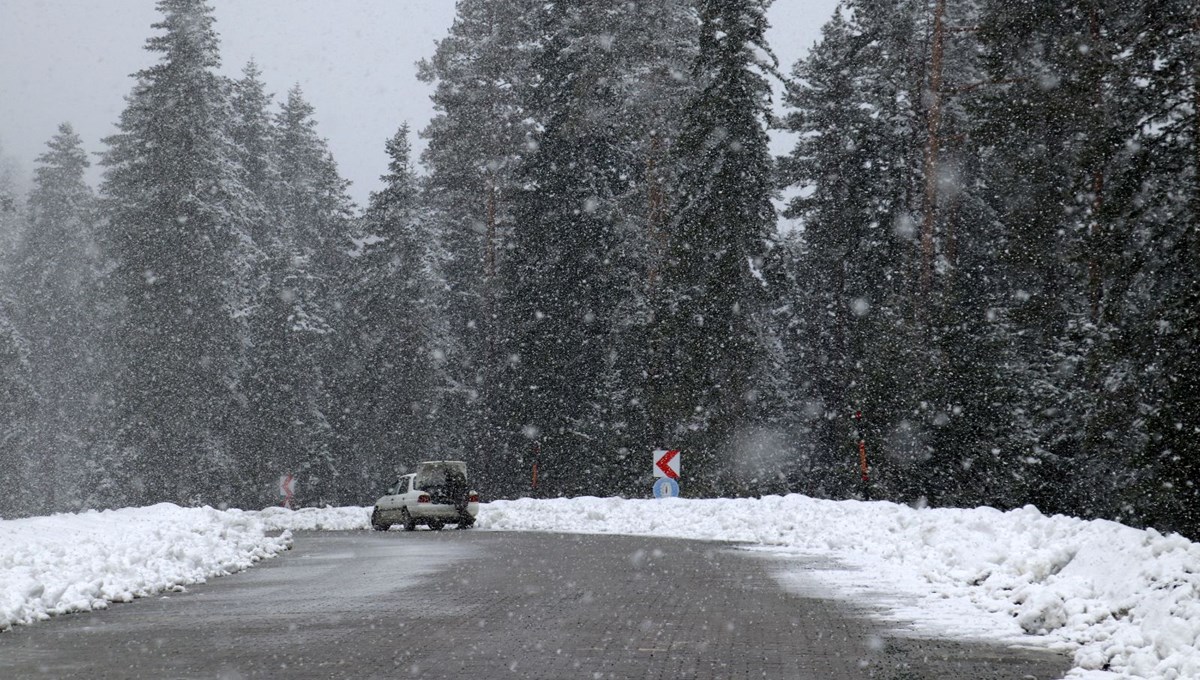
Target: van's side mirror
<point>391,491</point>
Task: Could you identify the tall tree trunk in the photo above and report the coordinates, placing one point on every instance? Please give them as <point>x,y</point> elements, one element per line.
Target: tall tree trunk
<point>1095,232</point>
<point>490,322</point>
<point>490,247</point>
<point>1196,118</point>
<point>1095,227</point>
<point>932,145</point>
<point>655,209</point>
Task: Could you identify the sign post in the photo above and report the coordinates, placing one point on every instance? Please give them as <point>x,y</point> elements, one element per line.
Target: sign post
<point>287,489</point>
<point>666,466</point>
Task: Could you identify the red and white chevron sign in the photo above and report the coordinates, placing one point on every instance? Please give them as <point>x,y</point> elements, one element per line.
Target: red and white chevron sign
<point>666,463</point>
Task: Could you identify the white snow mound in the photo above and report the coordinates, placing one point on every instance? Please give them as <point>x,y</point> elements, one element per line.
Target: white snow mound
<point>78,562</point>
<point>316,519</point>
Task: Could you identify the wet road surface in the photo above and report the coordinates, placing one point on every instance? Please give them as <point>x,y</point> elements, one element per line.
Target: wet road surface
<point>483,605</point>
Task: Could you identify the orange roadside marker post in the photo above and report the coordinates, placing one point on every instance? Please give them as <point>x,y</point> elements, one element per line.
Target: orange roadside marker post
<point>862,457</point>
<point>537,454</point>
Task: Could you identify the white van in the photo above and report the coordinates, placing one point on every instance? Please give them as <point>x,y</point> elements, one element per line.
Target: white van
<point>437,494</point>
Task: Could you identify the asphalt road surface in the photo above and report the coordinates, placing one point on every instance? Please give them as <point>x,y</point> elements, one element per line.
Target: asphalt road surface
<point>482,605</point>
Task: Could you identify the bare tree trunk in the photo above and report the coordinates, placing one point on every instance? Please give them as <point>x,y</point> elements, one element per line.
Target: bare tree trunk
<point>1095,231</point>
<point>489,305</point>
<point>932,145</point>
<point>489,265</point>
<point>655,209</point>
<point>1196,118</point>
<point>1095,227</point>
<point>951,237</point>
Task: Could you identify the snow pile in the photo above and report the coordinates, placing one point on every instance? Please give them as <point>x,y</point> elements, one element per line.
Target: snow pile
<point>315,519</point>
<point>1130,599</point>
<point>65,563</point>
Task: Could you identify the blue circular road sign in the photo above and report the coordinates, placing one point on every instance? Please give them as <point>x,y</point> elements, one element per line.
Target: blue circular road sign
<point>665,487</point>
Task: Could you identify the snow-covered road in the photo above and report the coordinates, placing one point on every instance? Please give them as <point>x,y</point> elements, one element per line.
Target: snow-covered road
<point>480,604</point>
<point>1126,601</point>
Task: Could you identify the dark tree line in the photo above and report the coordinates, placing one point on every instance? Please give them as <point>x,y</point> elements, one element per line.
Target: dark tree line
<point>999,248</point>
<point>995,262</point>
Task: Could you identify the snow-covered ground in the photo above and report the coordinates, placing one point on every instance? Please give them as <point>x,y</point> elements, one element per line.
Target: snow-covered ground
<point>1125,600</point>
<point>69,563</point>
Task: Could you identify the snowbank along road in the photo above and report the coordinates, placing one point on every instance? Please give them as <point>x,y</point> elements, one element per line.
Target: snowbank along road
<point>1121,601</point>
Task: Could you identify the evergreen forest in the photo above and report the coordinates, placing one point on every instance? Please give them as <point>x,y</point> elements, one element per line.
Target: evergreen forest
<point>974,280</point>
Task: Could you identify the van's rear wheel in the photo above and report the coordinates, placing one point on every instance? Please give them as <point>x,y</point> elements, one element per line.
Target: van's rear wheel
<point>377,522</point>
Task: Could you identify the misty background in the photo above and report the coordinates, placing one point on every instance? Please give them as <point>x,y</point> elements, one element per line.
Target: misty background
<point>70,60</point>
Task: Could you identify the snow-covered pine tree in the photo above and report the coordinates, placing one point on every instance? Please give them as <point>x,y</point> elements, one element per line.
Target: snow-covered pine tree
<point>1058,140</point>
<point>252,131</point>
<point>315,204</point>
<point>172,210</point>
<point>1166,67</point>
<point>488,104</point>
<point>12,217</point>
<point>19,455</point>
<point>18,399</point>
<point>54,282</point>
<point>651,46</point>
<point>294,324</point>
<point>392,382</point>
<point>855,156</point>
<point>721,219</point>
<point>253,134</point>
<point>1019,134</point>
<point>921,277</point>
<point>475,142</point>
<point>973,381</point>
<point>564,274</point>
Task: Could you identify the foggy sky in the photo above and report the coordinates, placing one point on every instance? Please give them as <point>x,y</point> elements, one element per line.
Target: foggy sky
<point>70,60</point>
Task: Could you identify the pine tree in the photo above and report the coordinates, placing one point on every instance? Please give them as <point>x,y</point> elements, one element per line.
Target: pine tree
<point>172,209</point>
<point>1066,156</point>
<point>855,149</point>
<point>12,218</point>
<point>562,276</point>
<point>476,140</point>
<point>1022,134</point>
<point>22,479</point>
<point>1166,58</point>
<point>252,132</point>
<point>55,278</point>
<point>721,220</point>
<point>492,73</point>
<point>393,380</point>
<point>293,328</point>
<point>18,399</point>
<point>648,49</point>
